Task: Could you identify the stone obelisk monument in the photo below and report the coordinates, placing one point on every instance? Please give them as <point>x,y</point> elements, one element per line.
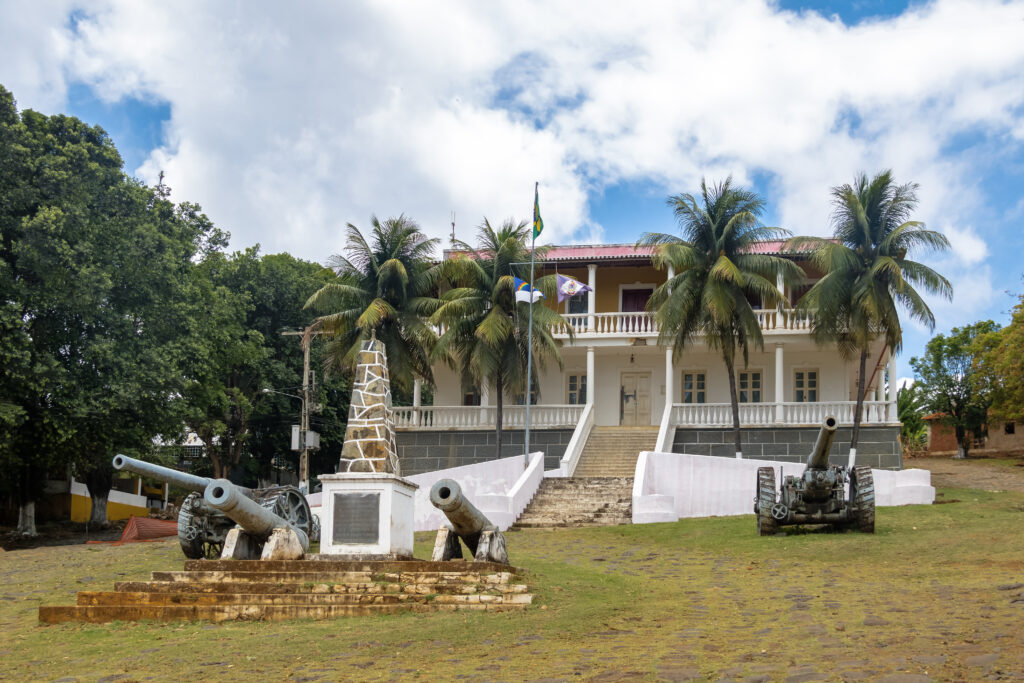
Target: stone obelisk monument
<point>367,506</point>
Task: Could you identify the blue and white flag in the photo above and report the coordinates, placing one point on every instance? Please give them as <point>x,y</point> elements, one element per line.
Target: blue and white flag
<point>525,293</point>
<point>569,287</point>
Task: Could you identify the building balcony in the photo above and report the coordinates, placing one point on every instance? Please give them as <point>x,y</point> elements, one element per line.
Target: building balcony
<point>440,418</point>
<point>683,415</point>
<point>642,324</point>
<point>777,414</point>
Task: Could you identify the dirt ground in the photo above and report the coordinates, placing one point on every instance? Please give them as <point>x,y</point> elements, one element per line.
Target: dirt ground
<point>987,474</point>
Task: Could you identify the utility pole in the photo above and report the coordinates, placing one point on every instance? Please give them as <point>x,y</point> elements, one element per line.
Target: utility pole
<point>304,431</point>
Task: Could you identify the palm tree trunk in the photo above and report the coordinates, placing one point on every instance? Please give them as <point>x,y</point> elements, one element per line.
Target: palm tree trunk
<point>861,389</point>
<point>734,401</point>
<point>499,388</point>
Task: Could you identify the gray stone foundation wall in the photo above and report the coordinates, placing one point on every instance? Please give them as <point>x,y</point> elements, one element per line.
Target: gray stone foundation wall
<point>422,451</point>
<point>876,446</point>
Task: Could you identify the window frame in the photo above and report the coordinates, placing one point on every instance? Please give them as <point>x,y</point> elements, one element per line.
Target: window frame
<point>682,385</point>
<point>760,389</point>
<point>817,384</point>
<point>581,388</point>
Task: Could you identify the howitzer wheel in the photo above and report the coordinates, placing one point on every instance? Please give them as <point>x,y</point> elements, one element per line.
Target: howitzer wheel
<point>862,499</point>
<point>291,506</point>
<point>189,534</point>
<point>766,524</point>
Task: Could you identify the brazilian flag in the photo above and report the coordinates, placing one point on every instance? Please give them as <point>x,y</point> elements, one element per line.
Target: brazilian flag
<point>538,222</point>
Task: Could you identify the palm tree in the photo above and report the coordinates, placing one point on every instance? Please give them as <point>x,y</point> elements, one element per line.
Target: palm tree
<point>716,270</point>
<point>485,330</point>
<point>384,286</point>
<point>867,275</point>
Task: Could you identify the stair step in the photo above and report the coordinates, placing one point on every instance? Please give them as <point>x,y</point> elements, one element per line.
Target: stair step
<point>174,599</point>
<point>97,614</point>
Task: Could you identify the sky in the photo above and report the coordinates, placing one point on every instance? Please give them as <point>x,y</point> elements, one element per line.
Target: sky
<point>285,122</point>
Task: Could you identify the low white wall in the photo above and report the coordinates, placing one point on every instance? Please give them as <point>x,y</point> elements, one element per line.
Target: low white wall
<point>670,486</point>
<point>501,489</point>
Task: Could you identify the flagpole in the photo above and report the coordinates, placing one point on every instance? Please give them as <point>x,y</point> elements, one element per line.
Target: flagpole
<point>529,333</point>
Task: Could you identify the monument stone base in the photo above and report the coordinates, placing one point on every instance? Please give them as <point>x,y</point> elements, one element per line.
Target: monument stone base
<point>367,515</point>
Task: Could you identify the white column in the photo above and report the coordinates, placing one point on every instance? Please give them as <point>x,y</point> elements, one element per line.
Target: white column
<point>780,285</point>
<point>485,400</point>
<point>590,375</point>
<point>591,302</point>
<point>890,394</point>
<point>670,389</point>
<point>779,384</point>
<point>417,388</point>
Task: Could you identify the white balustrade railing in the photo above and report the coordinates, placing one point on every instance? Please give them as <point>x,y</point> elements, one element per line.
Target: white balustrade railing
<point>764,414</point>
<point>485,417</point>
<point>643,323</point>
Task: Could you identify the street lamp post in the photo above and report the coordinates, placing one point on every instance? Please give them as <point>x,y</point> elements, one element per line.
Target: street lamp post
<point>303,432</point>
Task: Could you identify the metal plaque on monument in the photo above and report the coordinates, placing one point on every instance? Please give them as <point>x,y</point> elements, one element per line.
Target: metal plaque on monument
<point>367,506</point>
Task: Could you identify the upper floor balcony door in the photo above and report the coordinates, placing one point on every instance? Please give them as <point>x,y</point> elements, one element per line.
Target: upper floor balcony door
<point>635,300</point>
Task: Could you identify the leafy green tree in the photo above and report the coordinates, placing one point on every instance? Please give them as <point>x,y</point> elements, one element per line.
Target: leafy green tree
<point>717,273</point>
<point>385,285</point>
<point>910,408</point>
<point>998,357</point>
<point>867,275</point>
<point>277,286</point>
<point>485,332</point>
<point>94,269</point>
<point>950,383</point>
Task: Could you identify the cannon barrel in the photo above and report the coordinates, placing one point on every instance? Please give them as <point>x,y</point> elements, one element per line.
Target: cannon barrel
<point>466,520</point>
<point>818,459</point>
<point>148,469</point>
<point>255,519</point>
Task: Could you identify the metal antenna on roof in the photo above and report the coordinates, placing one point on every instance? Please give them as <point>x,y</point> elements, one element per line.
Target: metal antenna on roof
<point>453,229</point>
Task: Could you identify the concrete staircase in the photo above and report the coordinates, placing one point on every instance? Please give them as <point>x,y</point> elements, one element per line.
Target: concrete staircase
<point>612,451</point>
<point>577,501</point>
<point>225,590</point>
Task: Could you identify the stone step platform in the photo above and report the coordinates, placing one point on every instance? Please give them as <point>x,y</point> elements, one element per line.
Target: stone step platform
<point>579,502</point>
<point>89,598</point>
<point>315,588</point>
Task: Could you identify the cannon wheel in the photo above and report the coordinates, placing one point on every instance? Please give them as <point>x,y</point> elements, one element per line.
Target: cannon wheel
<point>189,535</point>
<point>766,524</point>
<point>862,499</point>
<point>291,506</point>
<point>192,538</point>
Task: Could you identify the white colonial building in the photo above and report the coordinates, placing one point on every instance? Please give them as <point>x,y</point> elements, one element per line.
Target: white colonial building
<point>619,390</point>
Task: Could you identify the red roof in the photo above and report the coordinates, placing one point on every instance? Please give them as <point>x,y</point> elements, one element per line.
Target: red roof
<point>606,252</point>
<point>585,252</point>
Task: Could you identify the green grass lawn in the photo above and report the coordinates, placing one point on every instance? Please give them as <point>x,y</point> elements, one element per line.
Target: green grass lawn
<point>708,598</point>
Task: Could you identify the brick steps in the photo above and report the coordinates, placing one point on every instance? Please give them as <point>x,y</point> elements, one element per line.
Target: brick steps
<point>318,588</point>
<point>107,598</point>
<point>579,502</point>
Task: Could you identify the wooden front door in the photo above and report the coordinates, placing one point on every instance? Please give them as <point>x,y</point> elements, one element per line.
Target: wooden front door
<point>635,399</point>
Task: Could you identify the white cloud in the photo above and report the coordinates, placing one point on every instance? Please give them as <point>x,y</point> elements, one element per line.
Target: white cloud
<point>289,122</point>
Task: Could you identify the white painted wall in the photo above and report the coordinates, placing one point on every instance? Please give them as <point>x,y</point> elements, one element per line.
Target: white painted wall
<point>671,486</point>
<point>501,489</point>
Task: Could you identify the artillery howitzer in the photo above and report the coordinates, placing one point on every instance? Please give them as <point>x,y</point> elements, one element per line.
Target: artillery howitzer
<point>202,527</point>
<point>480,535</point>
<point>819,495</point>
